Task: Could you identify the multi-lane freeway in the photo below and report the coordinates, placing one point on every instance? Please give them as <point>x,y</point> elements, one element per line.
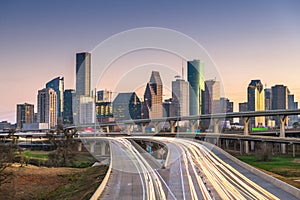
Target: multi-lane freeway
<point>193,171</point>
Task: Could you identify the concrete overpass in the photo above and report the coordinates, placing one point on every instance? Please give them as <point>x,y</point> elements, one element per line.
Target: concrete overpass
<point>193,121</point>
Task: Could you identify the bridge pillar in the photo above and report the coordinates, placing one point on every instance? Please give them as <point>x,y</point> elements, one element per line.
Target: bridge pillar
<point>79,147</point>
<point>143,126</point>
<point>193,124</point>
<point>128,129</point>
<point>216,125</point>
<point>246,121</point>
<point>226,144</point>
<point>252,145</point>
<point>241,146</point>
<point>92,147</point>
<point>294,152</point>
<point>156,126</point>
<point>172,125</point>
<point>282,121</point>
<point>103,147</point>
<point>107,129</point>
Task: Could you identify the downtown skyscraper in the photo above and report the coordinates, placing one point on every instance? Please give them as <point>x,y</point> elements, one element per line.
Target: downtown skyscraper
<point>68,106</point>
<point>195,74</point>
<point>127,106</point>
<point>83,103</point>
<point>57,84</point>
<point>279,99</point>
<point>25,114</point>
<point>211,97</point>
<point>256,101</point>
<point>180,96</point>
<point>83,74</point>
<point>46,99</point>
<point>153,97</point>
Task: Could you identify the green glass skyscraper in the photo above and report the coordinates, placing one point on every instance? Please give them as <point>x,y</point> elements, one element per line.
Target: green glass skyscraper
<point>195,74</point>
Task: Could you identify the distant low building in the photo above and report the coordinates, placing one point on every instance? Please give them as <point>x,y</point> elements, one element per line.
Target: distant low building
<point>35,126</point>
<point>5,125</point>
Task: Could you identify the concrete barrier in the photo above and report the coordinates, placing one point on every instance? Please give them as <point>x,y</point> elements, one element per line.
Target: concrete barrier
<point>284,186</point>
<point>101,188</point>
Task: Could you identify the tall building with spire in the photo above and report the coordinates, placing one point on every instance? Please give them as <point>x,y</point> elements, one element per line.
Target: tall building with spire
<point>47,107</point>
<point>153,100</point>
<point>256,101</point>
<point>195,75</point>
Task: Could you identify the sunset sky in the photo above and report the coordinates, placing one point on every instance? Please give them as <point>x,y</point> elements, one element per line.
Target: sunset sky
<point>246,40</point>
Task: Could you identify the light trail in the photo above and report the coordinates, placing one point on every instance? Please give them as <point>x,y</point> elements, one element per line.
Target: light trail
<point>207,176</point>
<point>138,170</point>
<point>230,184</point>
<point>153,183</point>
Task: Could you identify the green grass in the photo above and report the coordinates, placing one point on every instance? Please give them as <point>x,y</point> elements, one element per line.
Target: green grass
<point>36,154</point>
<point>282,165</point>
<point>40,158</point>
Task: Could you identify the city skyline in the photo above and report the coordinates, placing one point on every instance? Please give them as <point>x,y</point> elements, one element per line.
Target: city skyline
<point>244,45</point>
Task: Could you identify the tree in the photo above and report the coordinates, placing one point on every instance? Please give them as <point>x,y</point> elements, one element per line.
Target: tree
<point>6,159</point>
<point>64,154</point>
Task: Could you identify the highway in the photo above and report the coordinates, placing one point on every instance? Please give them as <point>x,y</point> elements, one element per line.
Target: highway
<point>193,171</point>
<point>132,176</point>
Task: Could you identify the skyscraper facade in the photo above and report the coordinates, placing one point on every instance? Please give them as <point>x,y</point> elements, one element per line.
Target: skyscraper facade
<point>68,106</point>
<point>86,110</point>
<point>211,97</point>
<point>180,96</point>
<point>243,107</point>
<point>127,106</point>
<point>268,103</point>
<point>226,106</point>
<point>280,97</point>
<point>47,107</point>
<point>292,105</point>
<point>168,108</point>
<point>83,74</point>
<point>25,114</point>
<point>57,84</point>
<point>256,101</point>
<point>195,74</point>
<point>152,106</point>
<point>82,100</point>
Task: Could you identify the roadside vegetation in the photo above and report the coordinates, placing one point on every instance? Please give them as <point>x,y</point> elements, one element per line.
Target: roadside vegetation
<point>285,168</point>
<point>62,173</point>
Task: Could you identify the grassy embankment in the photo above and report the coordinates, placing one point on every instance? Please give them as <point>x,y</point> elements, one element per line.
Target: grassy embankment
<point>285,168</point>
<point>76,180</point>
